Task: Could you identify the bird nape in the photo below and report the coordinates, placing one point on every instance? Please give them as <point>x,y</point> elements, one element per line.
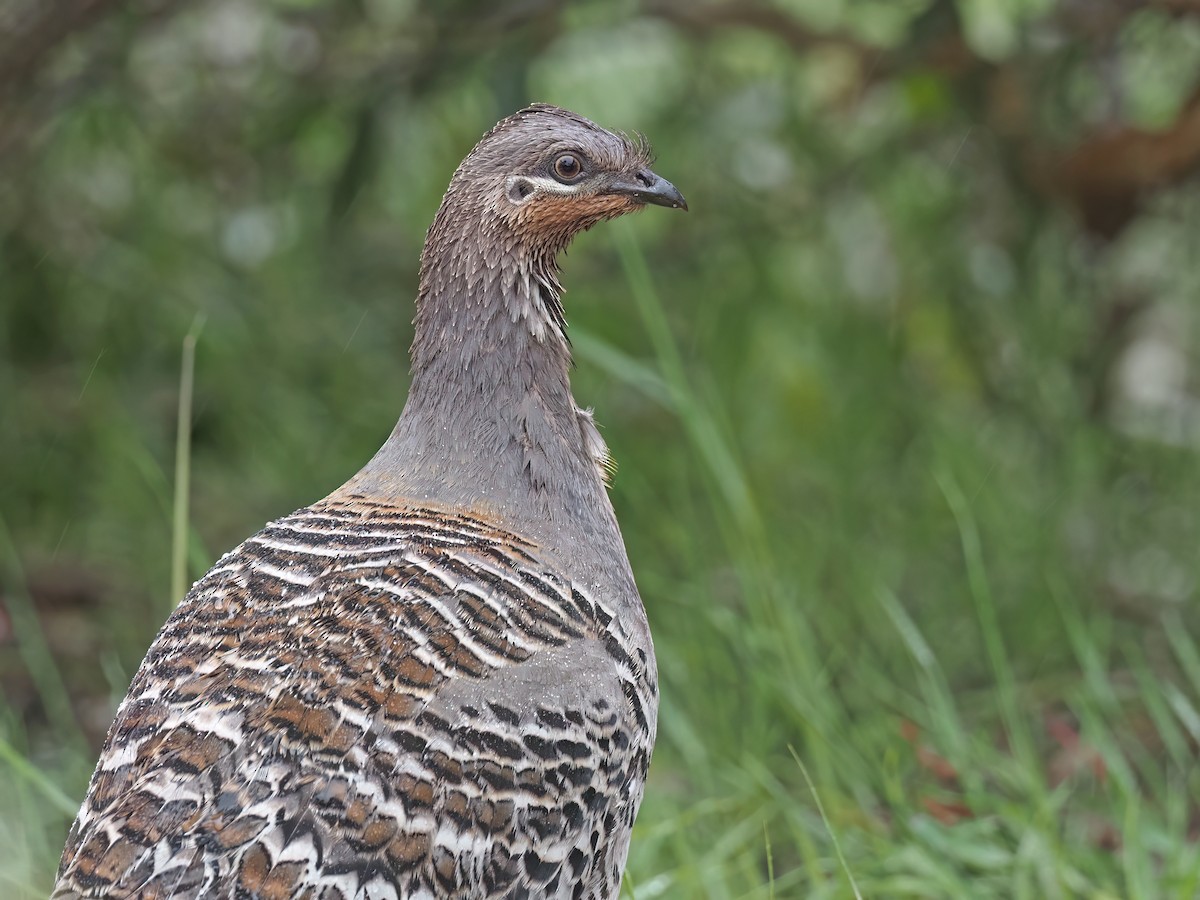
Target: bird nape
<point>437,682</point>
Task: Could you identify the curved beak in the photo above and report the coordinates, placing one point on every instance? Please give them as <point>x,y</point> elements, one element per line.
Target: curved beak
<point>646,187</point>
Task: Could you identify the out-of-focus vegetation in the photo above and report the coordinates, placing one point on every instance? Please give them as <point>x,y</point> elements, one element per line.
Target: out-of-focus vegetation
<point>907,408</point>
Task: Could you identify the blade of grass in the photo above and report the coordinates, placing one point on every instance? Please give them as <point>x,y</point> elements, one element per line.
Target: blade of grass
<point>621,366</point>
<point>1184,711</point>
<point>945,721</point>
<point>1137,880</point>
<point>35,652</point>
<point>989,624</point>
<point>770,862</point>
<point>837,845</point>
<point>183,463</point>
<point>37,779</point>
<point>718,456</point>
<point>1184,648</point>
<point>1081,634</point>
<point>739,519</point>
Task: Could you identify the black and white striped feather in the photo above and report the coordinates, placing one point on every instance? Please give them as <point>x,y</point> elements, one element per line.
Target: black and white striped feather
<point>373,702</point>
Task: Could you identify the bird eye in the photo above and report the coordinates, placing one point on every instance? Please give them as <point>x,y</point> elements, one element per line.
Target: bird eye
<point>567,167</point>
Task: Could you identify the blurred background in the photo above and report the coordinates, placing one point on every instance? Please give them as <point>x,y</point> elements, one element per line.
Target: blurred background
<point>907,409</point>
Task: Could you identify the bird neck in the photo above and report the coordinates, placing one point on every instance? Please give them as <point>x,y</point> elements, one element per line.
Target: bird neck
<point>490,420</point>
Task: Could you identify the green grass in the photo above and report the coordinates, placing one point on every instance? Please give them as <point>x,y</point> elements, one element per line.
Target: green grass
<point>823,732</point>
<point>732,820</point>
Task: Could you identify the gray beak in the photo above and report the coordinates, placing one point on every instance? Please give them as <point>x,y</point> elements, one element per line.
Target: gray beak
<point>646,187</point>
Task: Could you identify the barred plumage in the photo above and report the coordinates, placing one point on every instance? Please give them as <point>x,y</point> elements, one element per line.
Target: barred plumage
<point>438,682</point>
<point>357,648</point>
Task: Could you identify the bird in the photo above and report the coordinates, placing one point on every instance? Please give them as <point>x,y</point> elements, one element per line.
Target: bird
<point>439,680</point>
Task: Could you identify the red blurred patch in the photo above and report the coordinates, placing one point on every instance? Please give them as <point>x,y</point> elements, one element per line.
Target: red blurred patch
<point>1074,754</point>
<point>947,812</point>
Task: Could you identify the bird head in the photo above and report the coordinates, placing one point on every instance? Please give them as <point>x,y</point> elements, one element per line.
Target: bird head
<point>544,174</point>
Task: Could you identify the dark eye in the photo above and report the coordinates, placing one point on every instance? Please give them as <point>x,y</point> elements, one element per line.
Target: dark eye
<point>567,167</point>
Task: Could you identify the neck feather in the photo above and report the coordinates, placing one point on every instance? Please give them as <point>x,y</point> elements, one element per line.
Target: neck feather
<point>490,419</point>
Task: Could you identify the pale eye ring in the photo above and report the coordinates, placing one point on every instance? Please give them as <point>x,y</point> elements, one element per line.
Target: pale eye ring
<point>567,167</point>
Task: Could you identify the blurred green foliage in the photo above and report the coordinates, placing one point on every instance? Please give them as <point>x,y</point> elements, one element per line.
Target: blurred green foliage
<point>906,409</point>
